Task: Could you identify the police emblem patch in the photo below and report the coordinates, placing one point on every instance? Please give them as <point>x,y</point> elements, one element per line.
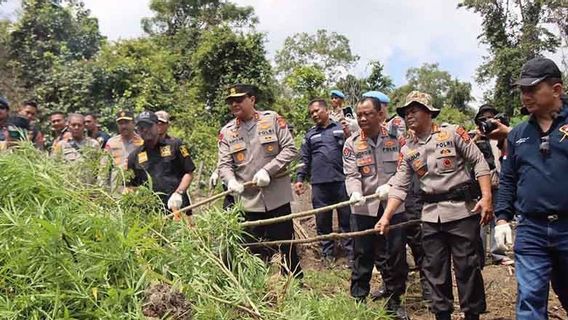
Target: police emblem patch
<point>165,151</point>
<point>463,134</point>
<point>366,169</point>
<point>443,136</point>
<point>142,157</point>
<point>564,130</point>
<point>184,152</point>
<point>240,156</point>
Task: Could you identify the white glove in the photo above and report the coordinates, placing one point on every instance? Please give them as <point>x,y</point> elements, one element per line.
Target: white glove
<point>383,191</point>
<point>261,178</point>
<point>356,196</point>
<point>235,187</point>
<point>503,236</point>
<point>213,179</point>
<point>175,201</point>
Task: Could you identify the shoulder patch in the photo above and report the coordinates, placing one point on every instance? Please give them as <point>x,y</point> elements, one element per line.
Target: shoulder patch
<point>460,131</point>
<point>348,153</point>
<point>183,150</point>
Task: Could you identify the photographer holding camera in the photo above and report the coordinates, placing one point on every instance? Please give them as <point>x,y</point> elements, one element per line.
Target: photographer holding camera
<point>488,120</point>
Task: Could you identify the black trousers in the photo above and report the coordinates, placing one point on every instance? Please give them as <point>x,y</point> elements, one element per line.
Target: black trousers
<point>277,231</point>
<point>325,194</point>
<point>456,241</point>
<point>367,249</point>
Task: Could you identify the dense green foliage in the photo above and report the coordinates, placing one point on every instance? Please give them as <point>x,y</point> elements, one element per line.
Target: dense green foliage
<point>71,251</point>
<point>54,53</point>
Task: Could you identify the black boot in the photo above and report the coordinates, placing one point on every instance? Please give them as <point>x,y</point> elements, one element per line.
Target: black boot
<point>444,315</point>
<point>471,316</point>
<point>380,294</point>
<point>396,309</point>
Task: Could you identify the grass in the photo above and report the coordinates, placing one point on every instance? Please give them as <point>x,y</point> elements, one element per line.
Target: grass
<point>70,250</point>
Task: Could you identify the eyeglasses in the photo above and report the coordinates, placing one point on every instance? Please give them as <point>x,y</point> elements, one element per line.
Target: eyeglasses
<point>544,146</point>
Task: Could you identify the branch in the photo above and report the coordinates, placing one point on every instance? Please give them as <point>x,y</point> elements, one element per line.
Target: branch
<point>332,236</point>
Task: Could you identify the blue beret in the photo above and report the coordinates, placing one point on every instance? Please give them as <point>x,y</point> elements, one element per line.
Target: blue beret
<point>337,93</point>
<point>4,102</point>
<point>377,95</point>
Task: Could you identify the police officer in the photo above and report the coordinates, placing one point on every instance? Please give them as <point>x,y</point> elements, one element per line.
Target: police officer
<point>413,205</point>
<point>59,130</point>
<point>163,124</point>
<point>451,219</point>
<point>533,184</point>
<point>256,146</point>
<point>71,149</point>
<point>166,162</point>
<point>321,154</point>
<point>370,159</point>
<point>120,147</point>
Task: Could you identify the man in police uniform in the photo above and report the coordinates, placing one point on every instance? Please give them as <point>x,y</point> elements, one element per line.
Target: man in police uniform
<point>166,162</point>
<point>163,124</point>
<point>413,205</point>
<point>533,184</point>
<point>71,149</point>
<point>369,160</point>
<point>257,146</point>
<point>119,148</point>
<point>321,154</point>
<point>451,219</point>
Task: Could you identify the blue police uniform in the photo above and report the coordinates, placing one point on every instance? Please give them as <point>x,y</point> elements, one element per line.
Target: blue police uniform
<point>321,153</point>
<point>533,184</point>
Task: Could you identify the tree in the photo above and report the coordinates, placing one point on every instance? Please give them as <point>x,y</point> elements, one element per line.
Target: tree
<point>514,33</point>
<point>48,33</point>
<point>328,51</point>
<point>174,16</point>
<point>377,80</point>
<point>444,90</point>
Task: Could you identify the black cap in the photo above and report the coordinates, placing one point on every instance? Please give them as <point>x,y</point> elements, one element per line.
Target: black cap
<point>4,102</point>
<point>124,115</point>
<point>18,122</point>
<point>485,108</point>
<point>239,90</point>
<point>147,117</point>
<point>536,70</point>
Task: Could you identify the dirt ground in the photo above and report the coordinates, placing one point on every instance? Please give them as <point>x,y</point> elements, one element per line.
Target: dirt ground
<point>500,283</point>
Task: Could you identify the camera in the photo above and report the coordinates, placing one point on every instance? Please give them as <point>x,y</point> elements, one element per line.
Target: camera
<point>486,125</point>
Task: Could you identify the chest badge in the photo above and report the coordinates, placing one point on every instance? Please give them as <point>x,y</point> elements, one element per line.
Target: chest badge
<point>142,157</point>
<point>443,136</point>
<point>165,151</point>
<point>240,156</point>
<point>564,130</point>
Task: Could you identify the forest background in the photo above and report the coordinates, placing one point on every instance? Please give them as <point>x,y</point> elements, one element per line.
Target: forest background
<point>54,52</point>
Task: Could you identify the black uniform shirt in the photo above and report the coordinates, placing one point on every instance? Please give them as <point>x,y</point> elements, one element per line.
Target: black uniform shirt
<point>166,164</point>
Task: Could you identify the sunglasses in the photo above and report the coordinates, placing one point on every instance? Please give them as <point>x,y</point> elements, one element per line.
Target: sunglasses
<point>544,146</point>
<point>235,99</point>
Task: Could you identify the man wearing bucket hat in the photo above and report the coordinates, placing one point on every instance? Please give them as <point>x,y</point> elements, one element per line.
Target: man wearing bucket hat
<point>533,186</point>
<point>451,219</point>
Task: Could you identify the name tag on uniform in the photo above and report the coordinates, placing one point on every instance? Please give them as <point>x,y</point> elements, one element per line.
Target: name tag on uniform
<point>142,157</point>
<point>165,151</point>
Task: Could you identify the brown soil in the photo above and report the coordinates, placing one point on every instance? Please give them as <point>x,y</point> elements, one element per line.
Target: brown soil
<point>162,301</point>
<point>500,283</point>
